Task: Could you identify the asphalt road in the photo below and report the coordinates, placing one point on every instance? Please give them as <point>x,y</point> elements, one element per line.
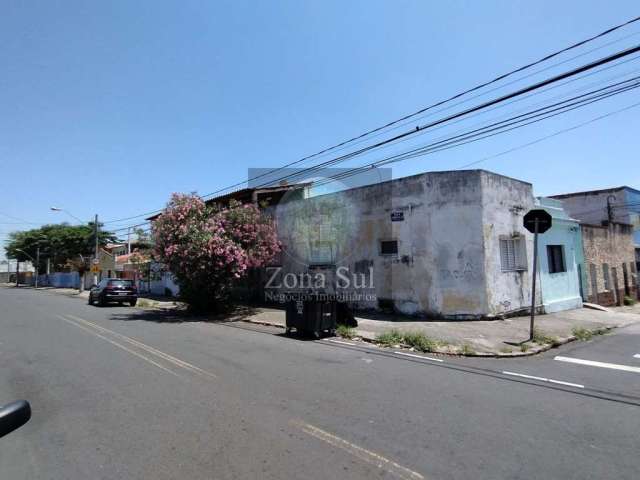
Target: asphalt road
<point>119,393</point>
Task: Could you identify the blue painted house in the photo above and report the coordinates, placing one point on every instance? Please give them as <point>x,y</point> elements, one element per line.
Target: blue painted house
<point>561,260</point>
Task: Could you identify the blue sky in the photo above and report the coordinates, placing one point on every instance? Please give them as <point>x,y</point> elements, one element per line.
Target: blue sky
<point>108,107</point>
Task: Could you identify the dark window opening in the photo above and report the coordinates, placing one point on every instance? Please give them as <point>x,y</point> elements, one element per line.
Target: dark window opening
<point>555,256</point>
<point>389,247</point>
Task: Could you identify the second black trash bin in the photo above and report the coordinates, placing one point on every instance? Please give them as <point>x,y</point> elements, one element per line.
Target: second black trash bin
<point>311,314</point>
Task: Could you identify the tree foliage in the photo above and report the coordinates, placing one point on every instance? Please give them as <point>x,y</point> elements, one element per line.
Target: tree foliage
<point>62,243</point>
<point>208,249</point>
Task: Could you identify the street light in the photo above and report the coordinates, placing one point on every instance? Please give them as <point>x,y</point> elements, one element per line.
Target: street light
<point>57,209</point>
<point>95,232</point>
<point>33,260</point>
<point>36,260</point>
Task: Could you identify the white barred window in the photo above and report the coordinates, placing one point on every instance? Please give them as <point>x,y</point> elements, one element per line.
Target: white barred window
<point>513,254</point>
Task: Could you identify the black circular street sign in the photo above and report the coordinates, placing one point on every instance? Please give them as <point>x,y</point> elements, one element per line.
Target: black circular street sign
<point>543,218</point>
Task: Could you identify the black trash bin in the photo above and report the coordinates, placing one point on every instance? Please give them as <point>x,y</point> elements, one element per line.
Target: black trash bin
<point>311,315</point>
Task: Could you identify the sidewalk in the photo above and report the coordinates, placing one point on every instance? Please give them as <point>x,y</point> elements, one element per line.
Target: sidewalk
<point>486,338</point>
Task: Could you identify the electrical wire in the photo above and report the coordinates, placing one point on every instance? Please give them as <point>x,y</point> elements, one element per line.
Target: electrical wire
<point>480,134</point>
<point>422,110</point>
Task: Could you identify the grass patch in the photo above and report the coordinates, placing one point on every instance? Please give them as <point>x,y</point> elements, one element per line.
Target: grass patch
<point>345,331</point>
<point>582,334</point>
<point>506,350</point>
<point>417,340</point>
<point>391,337</point>
<point>629,300</point>
<point>420,341</point>
<point>541,338</point>
<point>524,347</point>
<point>142,303</point>
<point>467,349</point>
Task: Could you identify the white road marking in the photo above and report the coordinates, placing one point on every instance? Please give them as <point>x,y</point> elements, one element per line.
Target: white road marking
<point>154,351</point>
<point>592,363</point>
<point>637,355</point>
<point>341,342</point>
<point>419,356</point>
<point>116,344</point>
<point>568,384</point>
<point>368,456</point>
<point>543,379</point>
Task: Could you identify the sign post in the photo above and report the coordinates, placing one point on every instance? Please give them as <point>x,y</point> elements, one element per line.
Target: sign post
<point>536,221</point>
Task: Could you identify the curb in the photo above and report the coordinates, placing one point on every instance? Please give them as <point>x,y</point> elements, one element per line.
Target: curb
<point>532,351</point>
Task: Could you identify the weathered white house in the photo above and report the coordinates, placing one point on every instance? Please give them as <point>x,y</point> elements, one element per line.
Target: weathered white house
<point>441,244</point>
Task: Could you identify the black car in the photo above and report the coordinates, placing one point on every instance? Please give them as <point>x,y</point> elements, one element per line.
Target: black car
<point>114,290</point>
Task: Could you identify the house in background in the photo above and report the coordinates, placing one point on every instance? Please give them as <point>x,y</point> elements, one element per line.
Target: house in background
<point>561,260</point>
<point>618,204</point>
<point>610,225</point>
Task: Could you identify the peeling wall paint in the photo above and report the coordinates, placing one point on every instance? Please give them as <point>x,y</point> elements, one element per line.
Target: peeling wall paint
<point>448,259</point>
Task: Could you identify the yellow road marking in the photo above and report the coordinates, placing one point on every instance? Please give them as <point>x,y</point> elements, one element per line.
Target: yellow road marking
<point>132,352</point>
<point>148,348</point>
<point>362,453</point>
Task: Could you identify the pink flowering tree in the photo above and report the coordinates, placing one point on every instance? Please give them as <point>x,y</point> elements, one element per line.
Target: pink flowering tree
<point>209,249</point>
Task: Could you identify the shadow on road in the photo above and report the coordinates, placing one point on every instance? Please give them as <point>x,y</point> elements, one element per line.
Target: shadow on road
<point>179,316</point>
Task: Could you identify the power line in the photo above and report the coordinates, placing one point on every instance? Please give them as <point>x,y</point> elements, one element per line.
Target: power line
<point>422,110</point>
<point>481,133</point>
<point>546,137</point>
<point>467,111</point>
<point>442,102</point>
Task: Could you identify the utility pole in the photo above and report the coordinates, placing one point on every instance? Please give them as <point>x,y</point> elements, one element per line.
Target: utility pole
<point>17,272</point>
<point>533,279</point>
<point>95,231</point>
<point>37,264</point>
<point>537,221</point>
<point>128,240</point>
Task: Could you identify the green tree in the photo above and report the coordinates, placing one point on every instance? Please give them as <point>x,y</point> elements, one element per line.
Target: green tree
<point>62,243</point>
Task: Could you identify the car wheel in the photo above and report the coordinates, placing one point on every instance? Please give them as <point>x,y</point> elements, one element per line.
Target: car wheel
<point>133,302</point>
<point>90,299</point>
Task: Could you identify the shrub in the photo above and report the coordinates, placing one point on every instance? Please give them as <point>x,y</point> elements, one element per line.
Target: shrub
<point>208,249</point>
<point>629,300</point>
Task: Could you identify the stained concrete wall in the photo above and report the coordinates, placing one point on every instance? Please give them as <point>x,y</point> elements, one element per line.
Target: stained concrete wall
<point>611,245</point>
<point>505,202</point>
<point>589,207</point>
<point>448,228</point>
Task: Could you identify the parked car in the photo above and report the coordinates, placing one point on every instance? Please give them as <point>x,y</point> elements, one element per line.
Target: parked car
<point>113,290</point>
